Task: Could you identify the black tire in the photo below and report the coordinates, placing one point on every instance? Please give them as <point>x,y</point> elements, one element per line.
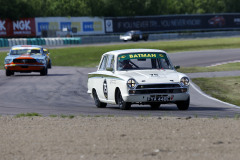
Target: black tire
<point>155,106</point>
<point>50,64</point>
<point>98,103</point>
<point>44,72</point>
<point>121,103</point>
<point>183,105</point>
<point>9,73</point>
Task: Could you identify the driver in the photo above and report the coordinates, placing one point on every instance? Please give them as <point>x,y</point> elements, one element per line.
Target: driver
<point>126,64</point>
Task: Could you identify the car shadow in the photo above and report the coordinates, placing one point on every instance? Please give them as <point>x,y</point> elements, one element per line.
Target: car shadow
<point>172,108</point>
<point>50,75</point>
<point>59,74</point>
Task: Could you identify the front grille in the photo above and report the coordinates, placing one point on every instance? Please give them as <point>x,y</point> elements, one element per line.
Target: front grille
<point>157,88</point>
<point>158,91</point>
<point>25,61</point>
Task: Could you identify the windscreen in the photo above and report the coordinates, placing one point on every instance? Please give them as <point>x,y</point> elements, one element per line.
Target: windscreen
<point>25,51</point>
<point>141,61</point>
<point>19,51</point>
<point>34,52</point>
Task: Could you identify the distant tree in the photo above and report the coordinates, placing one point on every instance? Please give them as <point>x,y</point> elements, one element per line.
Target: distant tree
<point>232,6</point>
<point>15,9</point>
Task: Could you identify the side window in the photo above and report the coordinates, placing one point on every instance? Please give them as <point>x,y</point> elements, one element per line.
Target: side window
<point>110,62</point>
<point>103,63</point>
<point>165,64</point>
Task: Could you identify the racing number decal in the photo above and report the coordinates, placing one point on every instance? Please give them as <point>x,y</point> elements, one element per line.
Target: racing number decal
<point>105,89</point>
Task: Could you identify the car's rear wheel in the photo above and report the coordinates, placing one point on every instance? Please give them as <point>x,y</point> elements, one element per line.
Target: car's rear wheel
<point>44,72</point>
<point>9,73</point>
<point>155,105</point>
<point>183,105</point>
<point>98,103</point>
<point>121,103</point>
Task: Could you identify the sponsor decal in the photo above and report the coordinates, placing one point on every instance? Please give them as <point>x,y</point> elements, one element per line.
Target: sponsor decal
<point>92,26</point>
<point>43,26</point>
<point>64,25</point>
<point>2,27</point>
<point>53,26</point>
<point>109,25</point>
<point>22,27</point>
<point>236,21</point>
<point>76,25</point>
<point>217,21</point>
<point>142,55</point>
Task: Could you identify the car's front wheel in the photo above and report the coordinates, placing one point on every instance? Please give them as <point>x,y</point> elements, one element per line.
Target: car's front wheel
<point>183,105</point>
<point>50,64</point>
<point>9,73</point>
<point>121,103</point>
<point>44,72</point>
<point>98,103</point>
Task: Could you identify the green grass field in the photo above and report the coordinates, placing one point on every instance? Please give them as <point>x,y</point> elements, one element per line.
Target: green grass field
<point>225,88</point>
<point>89,56</point>
<point>224,67</point>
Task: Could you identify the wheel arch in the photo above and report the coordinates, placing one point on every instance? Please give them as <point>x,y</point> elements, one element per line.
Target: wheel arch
<point>93,89</point>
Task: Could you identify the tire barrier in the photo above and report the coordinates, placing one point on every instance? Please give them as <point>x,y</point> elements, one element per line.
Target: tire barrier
<point>61,41</point>
<point>4,42</point>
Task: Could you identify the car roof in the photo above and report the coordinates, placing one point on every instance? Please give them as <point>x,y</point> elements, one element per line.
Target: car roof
<point>26,47</point>
<point>126,51</point>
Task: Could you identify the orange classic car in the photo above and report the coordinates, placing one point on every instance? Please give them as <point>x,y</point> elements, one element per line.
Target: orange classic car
<point>26,59</point>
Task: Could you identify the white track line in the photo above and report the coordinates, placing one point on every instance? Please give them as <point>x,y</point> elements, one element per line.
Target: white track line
<point>207,96</point>
<point>218,64</point>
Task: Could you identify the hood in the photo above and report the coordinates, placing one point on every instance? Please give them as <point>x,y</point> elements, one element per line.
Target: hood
<point>25,56</point>
<point>153,76</point>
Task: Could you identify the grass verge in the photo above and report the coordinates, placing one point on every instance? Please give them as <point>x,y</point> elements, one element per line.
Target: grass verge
<point>28,115</point>
<point>224,67</point>
<point>89,56</point>
<point>226,89</point>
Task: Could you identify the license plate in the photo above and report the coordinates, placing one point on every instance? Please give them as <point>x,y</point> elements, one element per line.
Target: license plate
<point>158,98</point>
<point>24,66</point>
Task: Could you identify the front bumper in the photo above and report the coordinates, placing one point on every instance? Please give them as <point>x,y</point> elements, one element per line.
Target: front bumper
<point>125,38</point>
<point>163,93</point>
<point>144,98</point>
<point>24,67</point>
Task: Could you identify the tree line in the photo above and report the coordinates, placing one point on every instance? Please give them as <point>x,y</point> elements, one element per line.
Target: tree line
<point>15,9</point>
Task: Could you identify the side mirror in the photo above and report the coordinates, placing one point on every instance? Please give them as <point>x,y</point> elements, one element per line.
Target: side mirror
<point>109,69</point>
<point>177,67</point>
<point>8,54</point>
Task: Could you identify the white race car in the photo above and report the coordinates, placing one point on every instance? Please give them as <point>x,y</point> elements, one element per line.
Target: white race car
<point>138,76</point>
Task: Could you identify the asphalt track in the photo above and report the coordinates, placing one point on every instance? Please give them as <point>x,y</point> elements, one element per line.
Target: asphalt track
<point>64,91</point>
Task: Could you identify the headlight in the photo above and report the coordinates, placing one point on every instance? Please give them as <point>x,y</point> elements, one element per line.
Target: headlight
<point>184,81</point>
<point>131,83</point>
<point>8,61</point>
<point>41,61</point>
